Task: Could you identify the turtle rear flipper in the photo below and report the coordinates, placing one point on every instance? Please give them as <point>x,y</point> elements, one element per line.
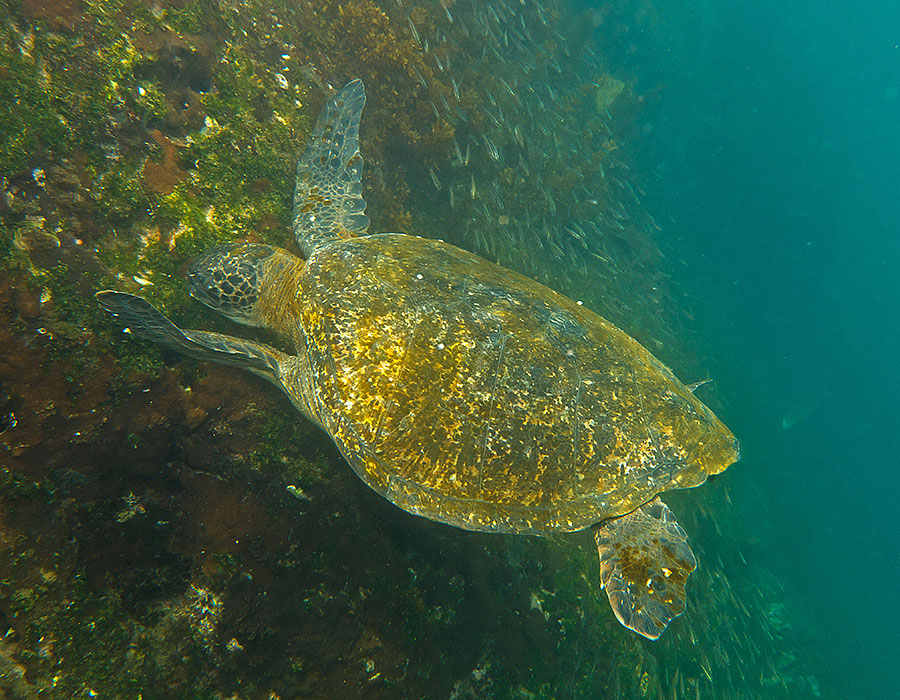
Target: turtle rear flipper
<point>328,201</point>
<point>145,320</point>
<point>644,564</point>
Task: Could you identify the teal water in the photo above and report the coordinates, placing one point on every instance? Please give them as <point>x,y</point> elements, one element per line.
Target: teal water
<point>776,146</point>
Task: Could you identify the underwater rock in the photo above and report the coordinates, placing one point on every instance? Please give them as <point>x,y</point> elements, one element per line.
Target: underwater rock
<point>59,14</point>
<point>181,60</point>
<point>184,111</point>
<point>163,177</point>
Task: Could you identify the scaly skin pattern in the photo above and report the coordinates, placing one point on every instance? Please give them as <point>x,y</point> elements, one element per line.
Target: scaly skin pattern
<point>473,396</point>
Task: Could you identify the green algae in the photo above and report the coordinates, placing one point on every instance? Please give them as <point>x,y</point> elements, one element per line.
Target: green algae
<point>80,94</point>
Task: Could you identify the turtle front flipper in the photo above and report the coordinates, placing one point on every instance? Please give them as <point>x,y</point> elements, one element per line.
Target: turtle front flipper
<point>328,201</point>
<point>145,320</point>
<point>644,564</point>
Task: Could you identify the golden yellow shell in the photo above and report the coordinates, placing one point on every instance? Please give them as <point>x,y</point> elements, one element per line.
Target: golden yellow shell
<point>474,396</point>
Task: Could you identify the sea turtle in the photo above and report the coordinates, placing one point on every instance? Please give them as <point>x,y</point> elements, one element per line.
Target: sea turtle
<point>457,389</point>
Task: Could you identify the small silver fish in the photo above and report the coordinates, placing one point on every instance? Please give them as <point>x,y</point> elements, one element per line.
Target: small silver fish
<point>420,77</point>
<point>492,149</point>
<point>455,89</point>
<point>434,179</point>
<point>456,150</point>
<point>415,32</point>
<point>696,385</point>
<point>449,16</point>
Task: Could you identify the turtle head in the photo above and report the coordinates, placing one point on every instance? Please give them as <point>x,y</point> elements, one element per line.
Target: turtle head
<point>230,278</point>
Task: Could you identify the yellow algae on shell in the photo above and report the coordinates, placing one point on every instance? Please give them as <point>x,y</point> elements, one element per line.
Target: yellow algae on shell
<point>469,394</point>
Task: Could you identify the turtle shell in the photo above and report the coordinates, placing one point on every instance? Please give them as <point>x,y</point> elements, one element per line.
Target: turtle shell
<point>466,393</point>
